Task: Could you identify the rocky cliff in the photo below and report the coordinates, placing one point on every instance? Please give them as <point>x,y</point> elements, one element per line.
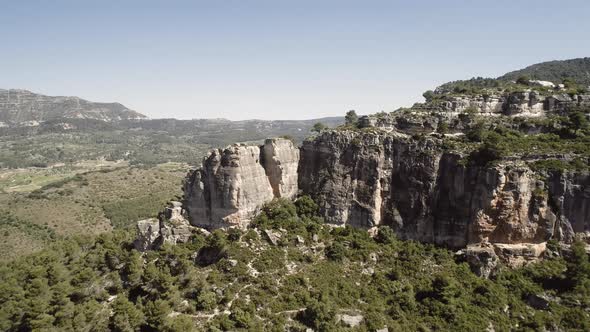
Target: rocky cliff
<point>170,227</point>
<point>368,179</point>
<point>371,177</point>
<point>424,193</point>
<point>425,117</point>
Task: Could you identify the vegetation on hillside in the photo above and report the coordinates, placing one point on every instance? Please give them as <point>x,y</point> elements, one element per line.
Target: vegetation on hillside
<point>238,280</point>
<point>148,142</point>
<point>71,201</point>
<point>487,140</point>
<point>555,71</point>
<point>573,74</point>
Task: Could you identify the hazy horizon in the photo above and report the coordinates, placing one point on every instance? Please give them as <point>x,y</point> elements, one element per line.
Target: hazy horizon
<point>275,60</point>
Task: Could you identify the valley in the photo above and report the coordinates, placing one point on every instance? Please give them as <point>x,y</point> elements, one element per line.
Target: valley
<point>466,212</point>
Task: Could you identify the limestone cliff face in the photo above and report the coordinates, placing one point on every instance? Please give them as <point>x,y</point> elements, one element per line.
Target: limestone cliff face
<point>280,161</point>
<point>234,182</point>
<point>571,200</point>
<point>504,204</point>
<point>373,178</point>
<point>369,179</point>
<point>525,103</point>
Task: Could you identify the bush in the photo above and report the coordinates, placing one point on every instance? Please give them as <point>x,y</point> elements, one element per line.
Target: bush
<point>336,251</point>
<point>215,250</point>
<point>386,235</point>
<point>320,315</point>
<point>442,128</point>
<point>523,80</point>
<point>318,127</point>
<point>206,300</point>
<point>428,95</point>
<point>306,207</point>
<point>234,234</point>
<point>491,150</point>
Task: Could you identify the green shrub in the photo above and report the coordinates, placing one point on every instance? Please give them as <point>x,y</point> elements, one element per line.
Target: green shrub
<point>306,207</point>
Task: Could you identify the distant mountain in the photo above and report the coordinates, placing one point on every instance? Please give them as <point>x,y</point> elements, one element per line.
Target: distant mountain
<point>555,71</point>
<point>25,108</point>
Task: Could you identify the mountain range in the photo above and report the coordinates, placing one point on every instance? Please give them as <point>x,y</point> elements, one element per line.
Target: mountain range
<point>26,108</point>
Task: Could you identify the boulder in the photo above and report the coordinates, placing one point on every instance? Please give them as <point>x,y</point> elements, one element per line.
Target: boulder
<point>273,237</point>
<point>352,320</point>
<point>482,260</point>
<point>538,302</point>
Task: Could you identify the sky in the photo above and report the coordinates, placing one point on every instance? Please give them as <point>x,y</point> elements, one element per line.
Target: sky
<point>275,59</point>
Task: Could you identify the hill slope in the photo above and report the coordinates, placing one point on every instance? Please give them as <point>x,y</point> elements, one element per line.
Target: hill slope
<point>555,71</point>
<point>312,277</point>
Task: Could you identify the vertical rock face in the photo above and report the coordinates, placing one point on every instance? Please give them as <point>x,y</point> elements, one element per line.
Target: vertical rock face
<point>505,204</point>
<point>148,233</point>
<point>234,182</point>
<point>373,177</point>
<point>570,195</point>
<point>368,179</point>
<point>281,160</point>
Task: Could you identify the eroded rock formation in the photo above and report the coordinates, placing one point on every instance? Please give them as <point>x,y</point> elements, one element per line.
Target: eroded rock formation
<point>425,117</point>
<point>233,183</point>
<point>171,227</point>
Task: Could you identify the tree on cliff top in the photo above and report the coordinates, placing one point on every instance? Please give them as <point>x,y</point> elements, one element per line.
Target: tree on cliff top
<point>351,118</point>
<point>318,127</point>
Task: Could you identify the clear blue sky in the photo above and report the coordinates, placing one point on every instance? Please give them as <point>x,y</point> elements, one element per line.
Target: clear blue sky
<point>275,59</point>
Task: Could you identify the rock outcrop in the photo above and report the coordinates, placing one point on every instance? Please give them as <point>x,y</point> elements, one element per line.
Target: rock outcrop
<point>148,234</point>
<point>485,258</point>
<point>170,227</point>
<point>233,183</point>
